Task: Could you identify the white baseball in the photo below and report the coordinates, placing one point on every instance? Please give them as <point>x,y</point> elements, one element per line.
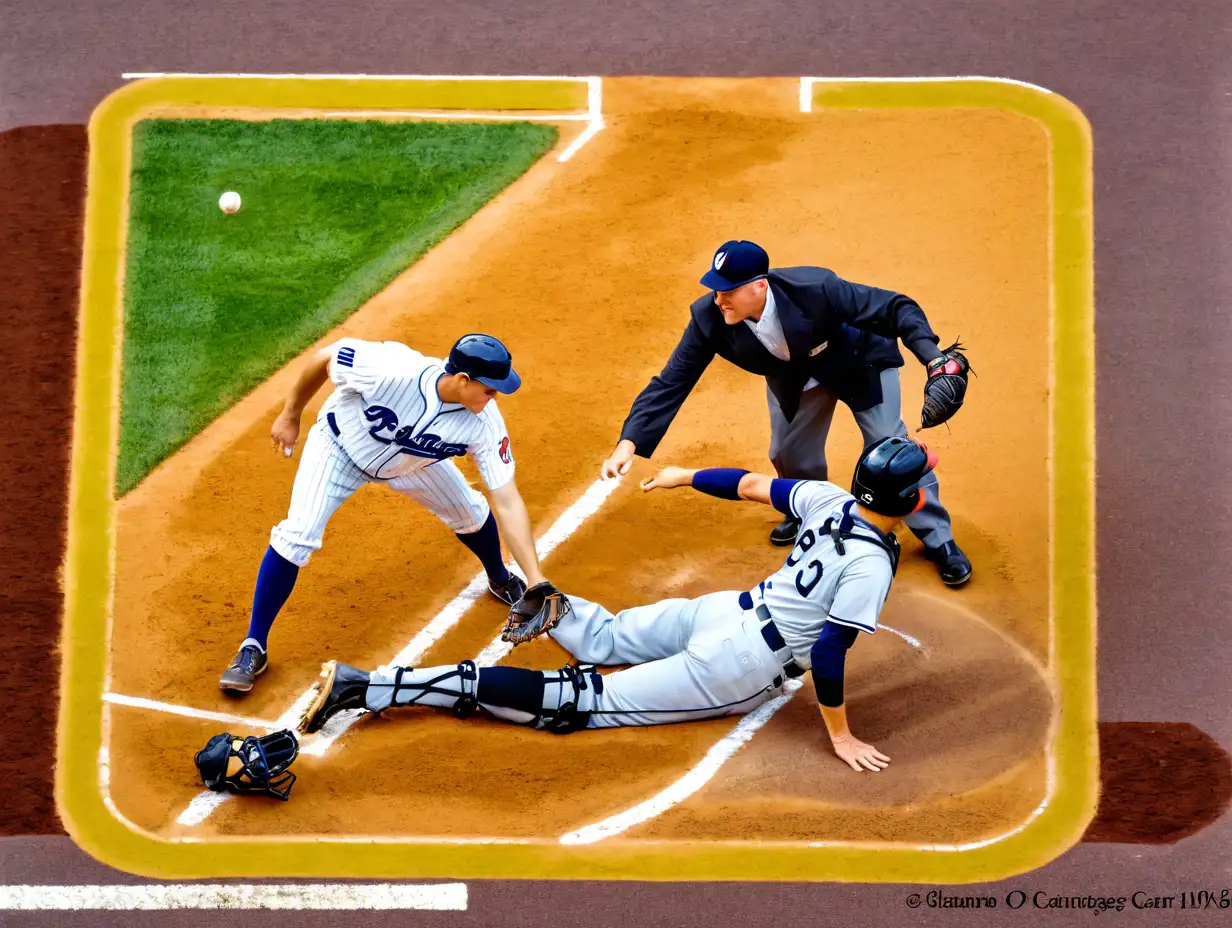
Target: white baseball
<point>229,202</point>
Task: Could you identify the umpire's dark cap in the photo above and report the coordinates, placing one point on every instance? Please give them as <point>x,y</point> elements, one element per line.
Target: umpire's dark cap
<point>735,264</point>
<point>484,358</point>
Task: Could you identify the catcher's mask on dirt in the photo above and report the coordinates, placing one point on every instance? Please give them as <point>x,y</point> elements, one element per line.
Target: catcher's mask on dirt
<point>888,475</point>
<point>249,765</point>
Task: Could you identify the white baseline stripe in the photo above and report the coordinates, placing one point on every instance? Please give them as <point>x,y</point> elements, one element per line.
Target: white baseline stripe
<point>585,507</point>
<point>435,896</point>
<point>139,75</point>
<point>696,778</point>
<point>692,781</point>
<point>504,116</point>
<point>136,702</point>
<point>565,526</point>
<point>204,804</point>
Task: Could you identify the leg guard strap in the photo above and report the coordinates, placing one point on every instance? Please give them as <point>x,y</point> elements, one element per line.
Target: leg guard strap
<point>568,717</point>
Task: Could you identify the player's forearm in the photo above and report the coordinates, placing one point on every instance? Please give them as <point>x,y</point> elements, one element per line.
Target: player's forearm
<point>517,532</point>
<point>306,384</point>
<point>731,483</point>
<point>835,718</point>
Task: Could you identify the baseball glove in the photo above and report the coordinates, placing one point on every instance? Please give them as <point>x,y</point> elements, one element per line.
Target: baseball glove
<point>539,609</point>
<point>946,386</point>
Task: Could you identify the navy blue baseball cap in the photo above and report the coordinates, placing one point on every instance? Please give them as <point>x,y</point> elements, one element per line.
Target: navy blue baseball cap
<point>735,264</point>
<point>484,358</point>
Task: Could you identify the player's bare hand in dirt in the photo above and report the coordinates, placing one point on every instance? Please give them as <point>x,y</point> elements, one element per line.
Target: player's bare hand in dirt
<point>619,462</point>
<point>858,755</point>
<point>668,478</point>
<point>285,432</point>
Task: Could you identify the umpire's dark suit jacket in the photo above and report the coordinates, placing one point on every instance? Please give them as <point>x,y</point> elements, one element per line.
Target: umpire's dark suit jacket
<point>841,333</point>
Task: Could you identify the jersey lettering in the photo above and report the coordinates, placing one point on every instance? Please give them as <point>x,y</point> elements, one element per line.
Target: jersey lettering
<point>391,421</point>
<point>805,588</point>
<point>428,445</point>
<point>386,421</point>
<point>807,540</point>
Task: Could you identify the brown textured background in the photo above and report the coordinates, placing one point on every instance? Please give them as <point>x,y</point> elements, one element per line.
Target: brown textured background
<point>1156,85</point>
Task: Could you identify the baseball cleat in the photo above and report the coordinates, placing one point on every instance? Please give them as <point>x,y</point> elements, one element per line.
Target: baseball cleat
<point>784,533</point>
<point>955,568</point>
<point>249,663</point>
<point>341,686</point>
<point>510,591</point>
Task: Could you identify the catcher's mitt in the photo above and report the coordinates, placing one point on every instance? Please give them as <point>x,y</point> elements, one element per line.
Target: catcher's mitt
<point>945,387</point>
<point>539,609</point>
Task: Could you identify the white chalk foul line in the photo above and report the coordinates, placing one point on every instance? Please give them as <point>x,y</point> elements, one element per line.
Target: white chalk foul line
<point>585,507</point>
<point>596,125</point>
<point>593,115</point>
<point>142,75</point>
<point>692,781</point>
<point>338,896</point>
<point>204,804</point>
<point>594,107</point>
<point>914,642</point>
<point>154,705</point>
<point>701,774</point>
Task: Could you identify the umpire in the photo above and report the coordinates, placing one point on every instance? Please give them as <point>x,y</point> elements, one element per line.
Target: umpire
<point>817,339</point>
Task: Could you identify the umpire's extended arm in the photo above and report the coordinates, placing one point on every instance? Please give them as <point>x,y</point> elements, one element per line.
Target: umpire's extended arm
<point>656,406</point>
<point>786,347</point>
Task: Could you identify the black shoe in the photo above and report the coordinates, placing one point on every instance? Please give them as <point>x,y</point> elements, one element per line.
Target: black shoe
<point>249,663</point>
<point>784,533</point>
<point>510,591</point>
<point>341,686</point>
<point>955,568</point>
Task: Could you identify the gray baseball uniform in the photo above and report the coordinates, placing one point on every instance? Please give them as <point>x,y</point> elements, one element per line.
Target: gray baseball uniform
<point>720,654</point>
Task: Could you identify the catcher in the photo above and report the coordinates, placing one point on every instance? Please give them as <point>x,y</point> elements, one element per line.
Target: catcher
<point>817,339</point>
<point>720,654</point>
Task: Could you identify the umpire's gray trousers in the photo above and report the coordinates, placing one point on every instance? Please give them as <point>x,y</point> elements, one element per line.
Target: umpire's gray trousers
<point>798,447</point>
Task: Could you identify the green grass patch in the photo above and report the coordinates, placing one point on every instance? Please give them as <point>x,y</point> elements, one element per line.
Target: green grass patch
<point>332,211</point>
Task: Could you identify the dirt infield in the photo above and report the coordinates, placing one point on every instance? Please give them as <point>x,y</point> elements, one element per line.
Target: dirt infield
<point>955,215</point>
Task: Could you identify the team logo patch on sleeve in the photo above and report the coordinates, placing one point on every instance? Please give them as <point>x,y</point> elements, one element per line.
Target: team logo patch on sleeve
<point>346,357</point>
<point>505,454</point>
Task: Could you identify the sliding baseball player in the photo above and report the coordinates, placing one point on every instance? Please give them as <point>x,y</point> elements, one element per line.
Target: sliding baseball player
<point>720,654</point>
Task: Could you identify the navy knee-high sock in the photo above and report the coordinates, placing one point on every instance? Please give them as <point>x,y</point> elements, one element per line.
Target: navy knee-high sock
<point>275,581</point>
<point>485,545</point>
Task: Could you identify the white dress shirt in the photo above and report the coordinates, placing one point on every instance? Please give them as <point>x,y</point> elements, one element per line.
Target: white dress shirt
<point>769,332</point>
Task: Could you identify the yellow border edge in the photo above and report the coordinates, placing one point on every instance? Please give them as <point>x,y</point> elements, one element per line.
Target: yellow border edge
<point>89,562</point>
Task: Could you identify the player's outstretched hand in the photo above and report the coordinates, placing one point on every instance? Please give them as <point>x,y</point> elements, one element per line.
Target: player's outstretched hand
<point>619,462</point>
<point>856,753</point>
<point>667,479</point>
<point>285,432</point>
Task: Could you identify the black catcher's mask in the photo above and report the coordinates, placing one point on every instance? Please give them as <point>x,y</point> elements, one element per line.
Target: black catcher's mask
<point>249,765</point>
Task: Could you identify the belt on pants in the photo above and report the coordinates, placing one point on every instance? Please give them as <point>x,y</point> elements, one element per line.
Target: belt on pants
<point>771,635</point>
<point>333,424</point>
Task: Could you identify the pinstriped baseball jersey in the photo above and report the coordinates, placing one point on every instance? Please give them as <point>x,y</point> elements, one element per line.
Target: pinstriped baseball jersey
<point>816,583</point>
<point>391,422</point>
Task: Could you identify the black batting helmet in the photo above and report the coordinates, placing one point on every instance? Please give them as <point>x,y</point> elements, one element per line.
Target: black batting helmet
<point>888,475</point>
<point>484,358</point>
